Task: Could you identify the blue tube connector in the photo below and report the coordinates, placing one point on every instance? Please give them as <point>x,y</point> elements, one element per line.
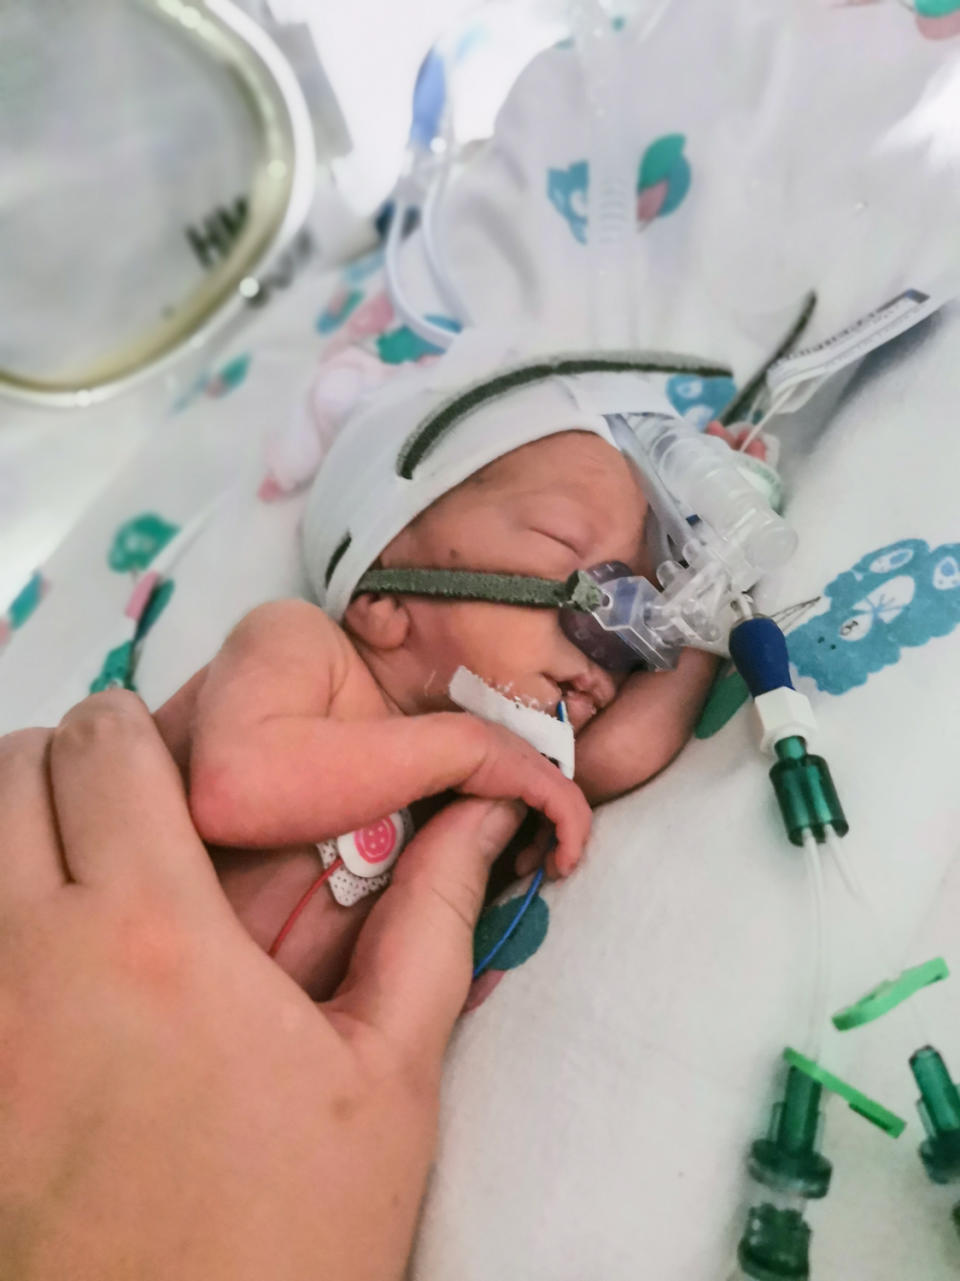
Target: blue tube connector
<point>759,651</point>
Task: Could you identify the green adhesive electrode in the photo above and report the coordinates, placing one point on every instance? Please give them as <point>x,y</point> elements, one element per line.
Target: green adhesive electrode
<point>886,996</point>
<point>857,1101</point>
<point>939,1108</point>
<point>775,1245</point>
<point>805,792</point>
<point>787,1159</point>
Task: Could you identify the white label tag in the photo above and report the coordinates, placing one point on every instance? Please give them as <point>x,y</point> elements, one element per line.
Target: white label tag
<point>850,344</point>
<point>551,737</point>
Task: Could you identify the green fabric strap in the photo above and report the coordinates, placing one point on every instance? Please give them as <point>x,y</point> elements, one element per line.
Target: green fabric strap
<point>452,411</point>
<point>739,407</point>
<point>579,591</point>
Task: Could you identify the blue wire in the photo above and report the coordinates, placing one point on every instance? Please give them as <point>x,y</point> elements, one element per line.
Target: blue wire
<point>511,928</point>
<point>531,893</point>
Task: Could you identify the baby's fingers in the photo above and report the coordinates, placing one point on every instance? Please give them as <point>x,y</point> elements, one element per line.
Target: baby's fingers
<point>566,807</point>
<point>534,854</point>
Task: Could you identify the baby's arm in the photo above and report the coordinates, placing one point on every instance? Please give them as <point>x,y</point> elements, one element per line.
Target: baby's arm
<point>644,728</point>
<point>272,762</point>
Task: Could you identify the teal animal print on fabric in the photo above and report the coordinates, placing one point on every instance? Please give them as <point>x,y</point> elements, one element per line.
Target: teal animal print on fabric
<point>26,600</point>
<point>524,941</point>
<point>700,400</point>
<point>338,309</point>
<point>138,540</point>
<point>938,19</point>
<point>663,180</point>
<point>229,376</point>
<point>22,606</point>
<point>905,594</point>
<point>119,666</point>
<point>117,670</point>
<point>157,603</point>
<point>402,345</point>
<point>567,192</point>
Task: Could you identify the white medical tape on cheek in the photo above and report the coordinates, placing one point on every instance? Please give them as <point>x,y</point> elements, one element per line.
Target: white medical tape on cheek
<point>367,857</point>
<point>551,737</point>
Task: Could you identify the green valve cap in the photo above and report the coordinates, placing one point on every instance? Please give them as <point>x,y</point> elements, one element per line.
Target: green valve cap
<point>939,1108</point>
<point>787,1160</point>
<point>775,1245</point>
<point>805,793</point>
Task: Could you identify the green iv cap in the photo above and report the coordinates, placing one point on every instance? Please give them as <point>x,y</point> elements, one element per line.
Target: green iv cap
<point>787,1160</point>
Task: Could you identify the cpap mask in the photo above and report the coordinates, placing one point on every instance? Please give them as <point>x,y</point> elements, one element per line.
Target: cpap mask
<point>713,531</point>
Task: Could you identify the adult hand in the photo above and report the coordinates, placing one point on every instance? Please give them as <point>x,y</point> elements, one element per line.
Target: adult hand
<point>171,1104</point>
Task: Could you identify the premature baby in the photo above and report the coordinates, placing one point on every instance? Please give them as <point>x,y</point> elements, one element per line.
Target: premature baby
<point>300,729</point>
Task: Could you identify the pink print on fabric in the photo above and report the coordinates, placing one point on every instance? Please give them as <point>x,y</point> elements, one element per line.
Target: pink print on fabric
<point>939,28</point>
<point>368,320</point>
<point>141,595</point>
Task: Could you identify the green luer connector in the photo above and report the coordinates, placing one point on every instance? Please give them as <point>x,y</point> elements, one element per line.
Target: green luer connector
<point>788,1160</point>
<point>939,1108</point>
<point>805,793</point>
<point>775,1245</point>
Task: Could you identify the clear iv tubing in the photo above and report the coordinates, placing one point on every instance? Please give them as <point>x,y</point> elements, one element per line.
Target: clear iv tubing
<point>433,241</point>
<point>422,327</point>
<point>611,193</point>
<point>851,879</point>
<point>819,1006</point>
<point>758,427</point>
<point>878,934</point>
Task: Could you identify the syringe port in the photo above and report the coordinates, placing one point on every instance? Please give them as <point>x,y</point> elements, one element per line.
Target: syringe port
<point>939,1108</point>
<point>775,1245</point>
<point>788,1160</point>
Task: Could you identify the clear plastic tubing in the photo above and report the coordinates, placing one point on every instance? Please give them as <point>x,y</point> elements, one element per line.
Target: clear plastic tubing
<point>819,1008</point>
<point>611,194</point>
<point>724,498</point>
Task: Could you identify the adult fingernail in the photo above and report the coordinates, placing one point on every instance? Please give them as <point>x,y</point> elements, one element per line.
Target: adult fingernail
<point>501,822</point>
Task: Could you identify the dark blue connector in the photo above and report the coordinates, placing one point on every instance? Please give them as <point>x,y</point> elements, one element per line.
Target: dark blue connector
<point>759,652</point>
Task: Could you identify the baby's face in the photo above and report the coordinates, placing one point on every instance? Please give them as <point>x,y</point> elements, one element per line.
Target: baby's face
<point>547,509</point>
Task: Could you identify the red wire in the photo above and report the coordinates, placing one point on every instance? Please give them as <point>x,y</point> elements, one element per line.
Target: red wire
<point>291,920</point>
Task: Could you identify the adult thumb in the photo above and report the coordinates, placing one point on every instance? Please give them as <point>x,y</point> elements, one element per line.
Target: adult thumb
<point>410,970</point>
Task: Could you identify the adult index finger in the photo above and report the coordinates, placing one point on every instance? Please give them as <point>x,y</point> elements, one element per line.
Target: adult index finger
<point>120,802</point>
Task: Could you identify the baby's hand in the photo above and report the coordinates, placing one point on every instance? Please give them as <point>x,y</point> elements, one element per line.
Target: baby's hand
<point>510,769</point>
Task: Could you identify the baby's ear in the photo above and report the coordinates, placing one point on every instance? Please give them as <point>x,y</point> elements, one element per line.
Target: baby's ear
<point>380,621</point>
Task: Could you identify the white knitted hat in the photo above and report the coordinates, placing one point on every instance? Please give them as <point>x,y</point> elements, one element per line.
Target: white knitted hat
<point>429,430</point>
